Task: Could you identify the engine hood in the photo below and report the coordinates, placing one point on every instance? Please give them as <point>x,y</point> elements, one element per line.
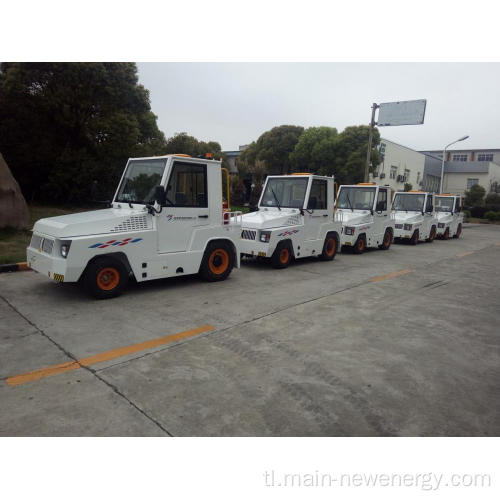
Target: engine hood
<point>270,219</point>
<point>410,217</point>
<point>110,220</point>
<point>444,216</point>
<point>356,217</point>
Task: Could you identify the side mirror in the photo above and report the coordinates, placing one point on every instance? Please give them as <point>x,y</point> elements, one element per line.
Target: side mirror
<point>160,196</point>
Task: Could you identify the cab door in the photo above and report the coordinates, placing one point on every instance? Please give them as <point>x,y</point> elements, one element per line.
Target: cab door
<point>380,214</point>
<point>186,206</point>
<point>317,208</point>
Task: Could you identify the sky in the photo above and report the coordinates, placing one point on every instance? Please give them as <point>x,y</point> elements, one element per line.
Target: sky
<point>233,103</point>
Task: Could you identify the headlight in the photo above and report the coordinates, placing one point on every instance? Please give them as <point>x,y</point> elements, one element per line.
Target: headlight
<point>408,227</point>
<point>350,230</point>
<point>265,236</point>
<point>65,249</point>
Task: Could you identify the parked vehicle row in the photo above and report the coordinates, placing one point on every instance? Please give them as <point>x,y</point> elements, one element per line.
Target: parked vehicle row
<point>167,218</point>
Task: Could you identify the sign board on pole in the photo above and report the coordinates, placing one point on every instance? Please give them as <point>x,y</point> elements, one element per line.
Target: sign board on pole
<point>401,113</point>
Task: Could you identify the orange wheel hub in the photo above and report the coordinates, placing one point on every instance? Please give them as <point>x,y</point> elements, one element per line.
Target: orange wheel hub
<point>218,262</point>
<point>330,247</point>
<point>108,278</point>
<point>284,255</point>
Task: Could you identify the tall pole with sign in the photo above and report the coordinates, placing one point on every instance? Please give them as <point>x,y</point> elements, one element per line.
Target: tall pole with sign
<point>370,140</point>
<point>394,114</point>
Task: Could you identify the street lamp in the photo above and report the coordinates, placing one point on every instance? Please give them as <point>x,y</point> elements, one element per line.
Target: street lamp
<point>442,161</point>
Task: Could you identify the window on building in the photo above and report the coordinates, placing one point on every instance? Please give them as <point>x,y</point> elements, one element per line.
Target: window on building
<point>460,157</point>
<point>187,186</point>
<point>472,182</point>
<point>418,177</point>
<point>485,157</point>
<point>407,175</point>
<point>317,197</point>
<point>394,172</point>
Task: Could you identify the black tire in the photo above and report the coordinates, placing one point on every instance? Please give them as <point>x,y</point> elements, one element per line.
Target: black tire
<point>414,237</point>
<point>446,235</point>
<point>432,235</point>
<point>282,255</point>
<point>386,244</point>
<point>218,261</point>
<point>105,278</point>
<point>330,247</point>
<point>459,231</point>
<point>360,245</point>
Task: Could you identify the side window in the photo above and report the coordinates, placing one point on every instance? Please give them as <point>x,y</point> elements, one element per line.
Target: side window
<point>428,206</point>
<point>317,197</point>
<point>457,205</point>
<point>381,200</point>
<point>187,186</point>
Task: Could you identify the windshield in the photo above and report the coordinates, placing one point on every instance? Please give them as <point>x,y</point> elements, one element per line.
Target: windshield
<point>357,198</point>
<point>444,204</point>
<point>139,182</point>
<point>409,202</point>
<point>285,192</point>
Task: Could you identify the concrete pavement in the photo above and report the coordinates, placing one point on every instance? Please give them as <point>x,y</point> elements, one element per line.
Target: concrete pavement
<point>316,349</point>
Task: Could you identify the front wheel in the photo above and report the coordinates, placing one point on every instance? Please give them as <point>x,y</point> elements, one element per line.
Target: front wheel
<point>432,235</point>
<point>330,247</point>
<point>414,237</point>
<point>386,243</point>
<point>105,278</point>
<point>282,255</point>
<point>218,261</point>
<point>360,245</point>
<point>446,235</point>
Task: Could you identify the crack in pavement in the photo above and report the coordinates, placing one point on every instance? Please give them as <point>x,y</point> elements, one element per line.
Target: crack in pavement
<point>88,368</point>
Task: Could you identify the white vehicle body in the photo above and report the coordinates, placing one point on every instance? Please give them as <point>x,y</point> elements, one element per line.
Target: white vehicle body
<point>414,216</point>
<point>150,240</point>
<point>364,210</point>
<point>300,213</point>
<point>449,215</point>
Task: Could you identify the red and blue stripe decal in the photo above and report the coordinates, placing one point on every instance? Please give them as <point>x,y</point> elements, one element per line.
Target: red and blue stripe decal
<point>115,243</point>
<point>289,233</point>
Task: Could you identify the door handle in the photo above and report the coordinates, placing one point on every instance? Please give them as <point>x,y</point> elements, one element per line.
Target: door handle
<point>203,216</point>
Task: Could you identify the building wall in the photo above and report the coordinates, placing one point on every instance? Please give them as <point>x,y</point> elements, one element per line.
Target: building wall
<point>456,183</point>
<point>472,154</point>
<point>397,159</point>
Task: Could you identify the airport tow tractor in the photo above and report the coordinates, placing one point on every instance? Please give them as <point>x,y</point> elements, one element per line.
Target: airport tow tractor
<point>366,218</point>
<point>166,219</point>
<point>295,219</point>
<point>414,216</point>
<point>449,216</point>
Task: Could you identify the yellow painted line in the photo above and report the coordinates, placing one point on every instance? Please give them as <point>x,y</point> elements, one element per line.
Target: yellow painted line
<point>105,356</point>
<point>464,254</point>
<point>391,275</point>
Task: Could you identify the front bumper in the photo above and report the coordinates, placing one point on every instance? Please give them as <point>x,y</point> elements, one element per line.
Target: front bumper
<point>348,239</point>
<point>402,233</point>
<point>441,228</point>
<point>55,268</point>
<point>254,247</point>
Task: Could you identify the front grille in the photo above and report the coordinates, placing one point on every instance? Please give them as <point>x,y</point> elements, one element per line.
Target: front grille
<point>398,226</point>
<point>47,246</point>
<point>135,223</point>
<point>36,241</point>
<point>247,234</point>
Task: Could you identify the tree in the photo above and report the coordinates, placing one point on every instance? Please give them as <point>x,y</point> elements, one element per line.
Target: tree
<point>65,125</point>
<point>408,186</point>
<point>315,149</point>
<point>189,145</point>
<point>474,197</point>
<point>492,202</point>
<point>273,147</point>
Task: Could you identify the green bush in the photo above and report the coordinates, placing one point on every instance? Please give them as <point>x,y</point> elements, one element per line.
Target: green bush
<point>491,216</point>
<point>467,213</point>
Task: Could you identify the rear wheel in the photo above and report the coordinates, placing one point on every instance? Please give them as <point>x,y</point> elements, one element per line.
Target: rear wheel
<point>330,247</point>
<point>282,255</point>
<point>414,237</point>
<point>432,235</point>
<point>360,245</point>
<point>218,261</point>
<point>459,231</point>
<point>386,243</point>
<point>105,278</point>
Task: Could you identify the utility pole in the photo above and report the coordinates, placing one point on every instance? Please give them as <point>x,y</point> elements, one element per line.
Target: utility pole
<point>370,139</point>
